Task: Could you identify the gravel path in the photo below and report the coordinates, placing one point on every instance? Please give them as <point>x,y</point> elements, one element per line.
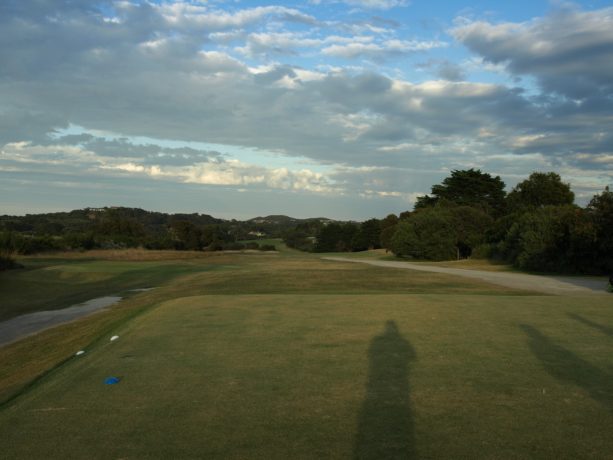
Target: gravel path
<point>558,285</point>
<point>24,325</point>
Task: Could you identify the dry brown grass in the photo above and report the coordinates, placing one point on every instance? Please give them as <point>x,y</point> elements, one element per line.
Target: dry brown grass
<point>133,255</point>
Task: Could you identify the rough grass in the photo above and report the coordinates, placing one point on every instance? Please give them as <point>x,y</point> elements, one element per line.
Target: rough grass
<point>49,284</point>
<point>289,356</point>
<point>127,255</point>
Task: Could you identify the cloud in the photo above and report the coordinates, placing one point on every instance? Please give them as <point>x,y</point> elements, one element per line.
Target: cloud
<point>181,165</point>
<point>186,16</point>
<point>569,51</point>
<point>380,51</point>
<point>368,4</point>
<point>263,43</point>
<point>171,71</point>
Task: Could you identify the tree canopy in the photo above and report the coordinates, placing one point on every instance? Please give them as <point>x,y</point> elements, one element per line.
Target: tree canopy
<point>440,233</point>
<point>468,188</point>
<point>540,189</point>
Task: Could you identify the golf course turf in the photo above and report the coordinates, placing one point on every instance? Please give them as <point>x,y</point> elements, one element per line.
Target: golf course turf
<point>285,355</point>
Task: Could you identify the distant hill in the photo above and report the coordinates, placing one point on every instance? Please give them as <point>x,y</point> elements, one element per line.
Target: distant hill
<point>284,220</point>
<point>117,219</point>
<point>80,220</point>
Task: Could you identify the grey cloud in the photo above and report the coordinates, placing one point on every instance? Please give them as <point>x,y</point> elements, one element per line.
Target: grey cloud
<point>444,69</point>
<point>570,51</point>
<point>275,74</point>
<point>450,71</point>
<point>149,154</point>
<point>17,124</point>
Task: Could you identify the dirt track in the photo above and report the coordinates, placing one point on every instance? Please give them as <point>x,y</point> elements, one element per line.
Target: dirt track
<point>558,285</point>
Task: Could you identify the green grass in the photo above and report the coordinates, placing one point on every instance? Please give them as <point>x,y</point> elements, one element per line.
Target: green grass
<point>286,356</point>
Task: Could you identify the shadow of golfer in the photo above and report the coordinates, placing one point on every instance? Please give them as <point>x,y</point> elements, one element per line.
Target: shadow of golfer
<point>566,366</point>
<point>599,327</point>
<point>385,425</point>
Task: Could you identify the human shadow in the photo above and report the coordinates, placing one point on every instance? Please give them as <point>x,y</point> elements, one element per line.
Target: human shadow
<point>566,366</point>
<point>599,327</point>
<point>385,425</point>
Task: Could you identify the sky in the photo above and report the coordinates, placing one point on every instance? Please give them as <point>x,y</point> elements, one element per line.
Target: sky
<point>347,109</point>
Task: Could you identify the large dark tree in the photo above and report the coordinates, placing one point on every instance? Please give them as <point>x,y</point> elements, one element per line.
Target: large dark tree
<point>540,189</point>
<point>468,188</point>
<point>368,236</point>
<point>388,228</point>
<point>336,237</point>
<point>441,233</point>
<point>601,210</point>
<point>552,238</point>
<point>186,235</point>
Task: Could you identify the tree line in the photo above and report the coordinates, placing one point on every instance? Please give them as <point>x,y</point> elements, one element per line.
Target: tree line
<point>535,227</point>
<point>119,227</point>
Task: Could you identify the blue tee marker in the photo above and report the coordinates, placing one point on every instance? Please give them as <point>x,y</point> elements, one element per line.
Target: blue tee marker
<point>112,380</point>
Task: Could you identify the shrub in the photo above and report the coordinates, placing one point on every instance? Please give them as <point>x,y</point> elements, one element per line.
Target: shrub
<point>8,263</point>
<point>483,251</point>
<point>236,246</point>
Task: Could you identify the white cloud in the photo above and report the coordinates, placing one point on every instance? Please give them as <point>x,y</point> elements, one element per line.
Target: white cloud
<point>265,43</point>
<point>368,4</point>
<point>382,50</point>
<point>183,15</point>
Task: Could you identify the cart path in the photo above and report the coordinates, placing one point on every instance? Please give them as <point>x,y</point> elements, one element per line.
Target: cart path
<point>558,285</point>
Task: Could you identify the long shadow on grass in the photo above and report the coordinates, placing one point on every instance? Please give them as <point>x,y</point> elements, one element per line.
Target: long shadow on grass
<point>566,366</point>
<point>599,327</point>
<point>385,426</point>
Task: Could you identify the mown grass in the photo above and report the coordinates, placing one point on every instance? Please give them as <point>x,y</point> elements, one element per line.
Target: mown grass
<point>287,356</point>
<point>296,376</point>
<point>309,275</point>
<point>53,282</point>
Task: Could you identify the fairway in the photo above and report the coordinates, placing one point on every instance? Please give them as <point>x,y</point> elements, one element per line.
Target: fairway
<point>288,356</point>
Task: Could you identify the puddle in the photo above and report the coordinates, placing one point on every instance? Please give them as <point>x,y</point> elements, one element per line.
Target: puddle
<point>24,325</point>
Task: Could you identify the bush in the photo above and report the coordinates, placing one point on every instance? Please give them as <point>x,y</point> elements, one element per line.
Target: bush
<point>552,239</point>
<point>8,263</point>
<point>234,246</point>
<point>483,251</point>
<point>268,247</point>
